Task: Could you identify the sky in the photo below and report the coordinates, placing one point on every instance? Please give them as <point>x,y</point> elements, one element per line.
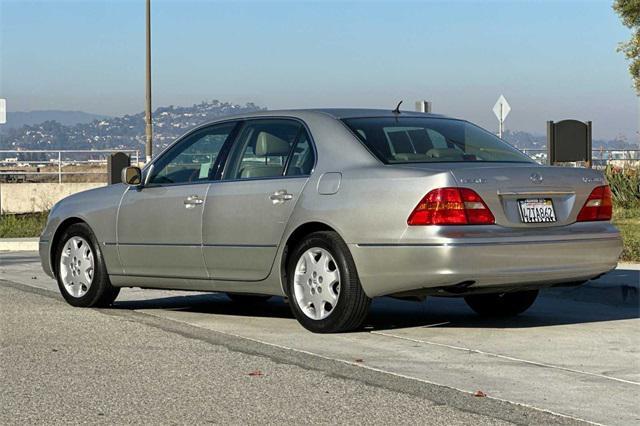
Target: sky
<point>551,59</point>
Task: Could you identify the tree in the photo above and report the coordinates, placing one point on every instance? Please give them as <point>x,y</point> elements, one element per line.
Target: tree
<point>629,11</point>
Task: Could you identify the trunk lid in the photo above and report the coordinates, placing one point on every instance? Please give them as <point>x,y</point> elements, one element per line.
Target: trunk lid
<point>502,187</point>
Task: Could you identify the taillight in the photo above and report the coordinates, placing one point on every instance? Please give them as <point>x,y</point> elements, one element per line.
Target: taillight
<point>451,206</point>
<point>598,206</point>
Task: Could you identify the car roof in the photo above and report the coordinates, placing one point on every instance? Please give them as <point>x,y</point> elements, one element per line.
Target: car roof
<point>336,113</point>
<point>341,113</point>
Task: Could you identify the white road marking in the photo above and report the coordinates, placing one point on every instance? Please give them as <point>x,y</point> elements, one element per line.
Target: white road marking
<point>510,358</point>
<point>436,325</point>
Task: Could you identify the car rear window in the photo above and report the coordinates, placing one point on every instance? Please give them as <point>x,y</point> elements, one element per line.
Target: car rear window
<point>425,140</point>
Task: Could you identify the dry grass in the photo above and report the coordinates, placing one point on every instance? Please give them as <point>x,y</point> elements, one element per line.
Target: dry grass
<point>22,225</point>
<point>628,222</point>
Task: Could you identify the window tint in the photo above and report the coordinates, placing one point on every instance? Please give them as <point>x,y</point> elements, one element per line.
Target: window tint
<point>262,149</point>
<point>425,140</point>
<point>302,158</point>
<point>193,158</point>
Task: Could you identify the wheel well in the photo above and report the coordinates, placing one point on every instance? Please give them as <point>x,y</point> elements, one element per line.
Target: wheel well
<point>295,237</point>
<point>56,239</point>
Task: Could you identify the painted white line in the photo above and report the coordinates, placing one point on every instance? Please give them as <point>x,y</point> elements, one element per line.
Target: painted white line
<point>510,358</point>
<point>436,325</point>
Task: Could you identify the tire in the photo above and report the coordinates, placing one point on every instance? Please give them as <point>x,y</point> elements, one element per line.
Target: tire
<point>248,299</point>
<point>502,304</point>
<point>78,286</point>
<point>320,270</point>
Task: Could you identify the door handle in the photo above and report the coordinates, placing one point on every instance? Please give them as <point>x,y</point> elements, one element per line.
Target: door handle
<point>191,201</point>
<point>280,196</point>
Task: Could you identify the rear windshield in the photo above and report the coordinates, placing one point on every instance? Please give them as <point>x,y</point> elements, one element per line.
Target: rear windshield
<point>427,140</point>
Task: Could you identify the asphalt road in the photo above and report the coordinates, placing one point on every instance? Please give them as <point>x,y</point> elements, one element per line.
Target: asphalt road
<point>177,357</point>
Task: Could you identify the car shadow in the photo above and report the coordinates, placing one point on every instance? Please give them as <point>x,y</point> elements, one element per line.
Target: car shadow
<point>211,303</point>
<point>554,307</point>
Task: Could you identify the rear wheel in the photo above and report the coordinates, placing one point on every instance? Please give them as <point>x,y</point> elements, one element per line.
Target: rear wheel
<point>324,291</point>
<point>502,304</point>
<point>248,299</point>
<point>80,270</point>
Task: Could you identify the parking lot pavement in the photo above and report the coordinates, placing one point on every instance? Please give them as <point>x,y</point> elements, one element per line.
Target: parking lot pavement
<point>575,352</point>
<point>64,365</point>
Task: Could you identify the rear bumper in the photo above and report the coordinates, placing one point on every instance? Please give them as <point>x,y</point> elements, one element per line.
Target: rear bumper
<point>393,268</point>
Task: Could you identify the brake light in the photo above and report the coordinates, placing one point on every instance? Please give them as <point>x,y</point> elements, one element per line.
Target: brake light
<point>598,206</point>
<point>451,206</point>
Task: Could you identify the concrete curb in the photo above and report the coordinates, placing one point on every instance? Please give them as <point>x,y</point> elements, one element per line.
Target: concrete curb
<point>18,244</point>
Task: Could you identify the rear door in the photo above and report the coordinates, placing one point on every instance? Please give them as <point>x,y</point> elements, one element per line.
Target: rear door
<point>160,226</point>
<point>246,212</point>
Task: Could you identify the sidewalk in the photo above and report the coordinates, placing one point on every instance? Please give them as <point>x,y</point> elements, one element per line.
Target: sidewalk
<point>18,244</point>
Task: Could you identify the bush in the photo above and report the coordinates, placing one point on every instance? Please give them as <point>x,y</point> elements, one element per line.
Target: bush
<point>625,186</point>
<point>22,225</point>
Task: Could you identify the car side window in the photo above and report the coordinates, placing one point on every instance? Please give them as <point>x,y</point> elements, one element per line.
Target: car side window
<point>262,149</point>
<point>302,158</point>
<point>192,159</point>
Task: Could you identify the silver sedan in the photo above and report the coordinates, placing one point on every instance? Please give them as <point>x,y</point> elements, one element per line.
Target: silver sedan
<point>332,208</point>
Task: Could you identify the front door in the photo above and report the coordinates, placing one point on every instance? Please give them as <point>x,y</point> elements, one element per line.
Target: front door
<point>247,211</point>
<point>160,225</point>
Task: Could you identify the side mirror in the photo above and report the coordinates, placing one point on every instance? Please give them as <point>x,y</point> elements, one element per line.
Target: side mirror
<point>131,176</point>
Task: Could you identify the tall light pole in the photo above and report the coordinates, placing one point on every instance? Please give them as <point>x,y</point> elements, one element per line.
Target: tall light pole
<point>147,114</point>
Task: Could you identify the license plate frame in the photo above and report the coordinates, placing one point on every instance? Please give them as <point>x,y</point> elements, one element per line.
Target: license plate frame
<point>537,210</point>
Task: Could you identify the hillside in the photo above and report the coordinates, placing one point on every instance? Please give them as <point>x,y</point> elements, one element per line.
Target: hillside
<point>68,118</point>
<point>125,132</point>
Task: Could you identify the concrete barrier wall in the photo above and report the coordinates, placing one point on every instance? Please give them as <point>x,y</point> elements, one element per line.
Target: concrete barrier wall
<point>37,197</point>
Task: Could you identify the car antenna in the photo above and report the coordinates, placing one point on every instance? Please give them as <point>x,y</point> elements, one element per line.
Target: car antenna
<point>397,110</point>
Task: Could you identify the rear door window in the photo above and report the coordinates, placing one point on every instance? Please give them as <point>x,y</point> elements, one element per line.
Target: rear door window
<point>262,149</point>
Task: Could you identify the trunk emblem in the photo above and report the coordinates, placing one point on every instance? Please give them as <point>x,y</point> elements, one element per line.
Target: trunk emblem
<point>473,180</point>
<point>535,178</point>
<point>591,179</point>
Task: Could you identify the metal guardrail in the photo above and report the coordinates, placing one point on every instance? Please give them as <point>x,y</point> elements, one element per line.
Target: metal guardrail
<point>58,159</point>
<point>61,158</point>
<point>600,157</point>
<point>602,154</point>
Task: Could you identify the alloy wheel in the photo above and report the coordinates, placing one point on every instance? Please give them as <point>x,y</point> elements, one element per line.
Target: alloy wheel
<point>77,266</point>
<point>317,283</point>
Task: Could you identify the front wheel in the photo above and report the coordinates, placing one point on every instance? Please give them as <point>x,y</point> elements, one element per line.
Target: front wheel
<point>502,304</point>
<point>80,270</point>
<point>323,286</point>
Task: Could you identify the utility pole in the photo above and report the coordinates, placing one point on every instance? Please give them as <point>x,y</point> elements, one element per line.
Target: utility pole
<point>147,114</point>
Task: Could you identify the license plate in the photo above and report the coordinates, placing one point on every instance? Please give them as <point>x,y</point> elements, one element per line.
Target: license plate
<point>538,210</point>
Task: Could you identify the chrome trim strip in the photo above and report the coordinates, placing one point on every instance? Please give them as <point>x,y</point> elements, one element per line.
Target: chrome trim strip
<point>181,278</point>
<point>541,192</point>
<point>194,245</point>
<point>242,245</point>
<point>473,244</point>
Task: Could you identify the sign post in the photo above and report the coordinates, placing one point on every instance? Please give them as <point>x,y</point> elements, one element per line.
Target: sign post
<point>501,109</point>
<point>3,111</point>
